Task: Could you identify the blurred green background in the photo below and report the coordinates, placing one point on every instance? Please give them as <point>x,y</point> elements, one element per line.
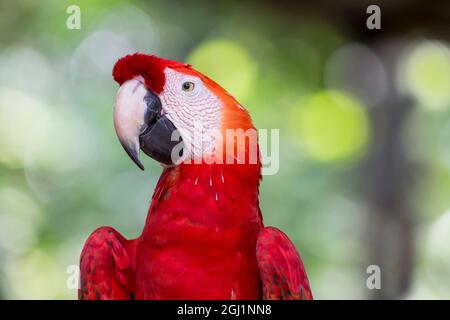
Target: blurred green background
<point>364,118</point>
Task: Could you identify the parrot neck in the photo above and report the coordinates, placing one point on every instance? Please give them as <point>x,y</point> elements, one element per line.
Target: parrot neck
<point>206,195</point>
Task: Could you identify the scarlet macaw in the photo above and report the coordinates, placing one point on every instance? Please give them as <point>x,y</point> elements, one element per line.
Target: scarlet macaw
<point>204,236</point>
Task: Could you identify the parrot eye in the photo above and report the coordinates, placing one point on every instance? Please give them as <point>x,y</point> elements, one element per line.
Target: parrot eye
<point>188,86</point>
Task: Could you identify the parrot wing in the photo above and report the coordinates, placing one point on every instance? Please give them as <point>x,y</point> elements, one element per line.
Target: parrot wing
<point>281,269</point>
<point>105,267</point>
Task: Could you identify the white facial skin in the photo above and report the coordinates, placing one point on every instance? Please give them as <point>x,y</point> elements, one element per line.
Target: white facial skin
<point>195,111</point>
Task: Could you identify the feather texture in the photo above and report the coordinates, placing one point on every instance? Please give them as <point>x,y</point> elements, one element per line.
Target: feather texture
<point>105,264</point>
<point>282,272</point>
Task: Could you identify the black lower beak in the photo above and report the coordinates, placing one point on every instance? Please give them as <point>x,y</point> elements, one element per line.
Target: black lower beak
<point>162,142</point>
<point>160,139</point>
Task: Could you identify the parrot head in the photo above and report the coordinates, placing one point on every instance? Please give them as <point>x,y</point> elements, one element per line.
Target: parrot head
<point>172,112</point>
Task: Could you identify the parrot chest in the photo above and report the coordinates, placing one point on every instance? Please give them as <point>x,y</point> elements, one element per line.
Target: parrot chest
<point>199,241</point>
<point>221,265</point>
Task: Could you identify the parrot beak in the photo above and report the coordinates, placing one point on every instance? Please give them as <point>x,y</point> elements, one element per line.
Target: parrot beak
<point>140,124</point>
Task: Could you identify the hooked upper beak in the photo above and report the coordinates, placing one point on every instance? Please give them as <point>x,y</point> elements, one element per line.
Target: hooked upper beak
<point>140,124</point>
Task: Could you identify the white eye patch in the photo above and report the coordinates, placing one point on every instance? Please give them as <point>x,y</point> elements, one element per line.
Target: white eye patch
<point>196,113</point>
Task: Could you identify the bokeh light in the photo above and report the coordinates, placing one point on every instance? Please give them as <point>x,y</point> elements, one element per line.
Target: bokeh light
<point>330,126</point>
<point>54,159</point>
<point>228,63</point>
<point>98,52</point>
<point>425,74</point>
<point>22,117</point>
<point>26,69</point>
<point>135,23</point>
<point>356,69</point>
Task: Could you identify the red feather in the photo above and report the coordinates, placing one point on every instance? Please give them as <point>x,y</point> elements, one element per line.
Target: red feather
<point>200,235</point>
<point>105,264</point>
<point>150,67</point>
<point>282,272</point>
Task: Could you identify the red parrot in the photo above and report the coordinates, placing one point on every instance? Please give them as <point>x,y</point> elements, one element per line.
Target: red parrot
<point>204,236</point>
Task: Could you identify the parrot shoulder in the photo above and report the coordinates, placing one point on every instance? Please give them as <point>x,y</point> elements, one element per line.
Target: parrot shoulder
<point>281,269</point>
<point>105,266</point>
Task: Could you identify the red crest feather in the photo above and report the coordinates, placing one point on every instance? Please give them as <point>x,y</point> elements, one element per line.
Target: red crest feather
<point>150,67</point>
